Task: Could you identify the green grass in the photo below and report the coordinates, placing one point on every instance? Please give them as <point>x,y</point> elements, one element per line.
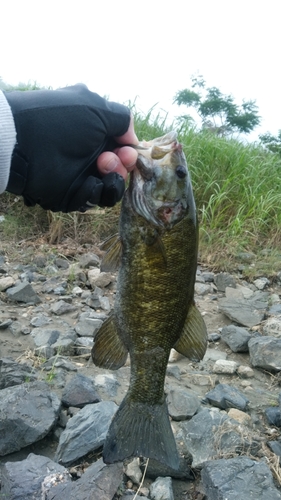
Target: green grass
<point>237,188</point>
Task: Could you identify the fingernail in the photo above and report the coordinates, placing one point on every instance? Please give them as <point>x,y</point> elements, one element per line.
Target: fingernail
<point>111,165</point>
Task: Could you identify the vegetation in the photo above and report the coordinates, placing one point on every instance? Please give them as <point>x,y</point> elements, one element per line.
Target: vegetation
<point>237,188</point>
<point>218,112</point>
<point>272,142</point>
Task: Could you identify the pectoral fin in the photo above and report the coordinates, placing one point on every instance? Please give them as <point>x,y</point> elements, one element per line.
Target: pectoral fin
<point>193,340</point>
<point>112,258</point>
<point>109,350</point>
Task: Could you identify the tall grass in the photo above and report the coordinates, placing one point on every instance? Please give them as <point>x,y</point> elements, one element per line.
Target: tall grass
<point>237,188</point>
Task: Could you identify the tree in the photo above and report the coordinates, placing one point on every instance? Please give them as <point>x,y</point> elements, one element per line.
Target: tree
<point>218,112</point>
<point>272,143</point>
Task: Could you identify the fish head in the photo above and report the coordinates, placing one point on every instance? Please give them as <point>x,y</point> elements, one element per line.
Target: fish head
<point>160,185</point>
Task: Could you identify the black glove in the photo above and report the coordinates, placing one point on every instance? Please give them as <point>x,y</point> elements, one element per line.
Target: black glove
<point>60,134</point>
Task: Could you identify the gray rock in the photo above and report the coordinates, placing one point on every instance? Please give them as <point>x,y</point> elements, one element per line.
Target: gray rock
<point>236,338</point>
<point>65,345</point>
<point>208,277</point>
<point>214,337</point>
<point>184,471</point>
<point>182,403</point>
<point>265,353</point>
<point>6,282</point>
<point>99,482</point>
<point>28,412</point>
<point>62,307</point>
<point>5,324</point>
<point>214,355</point>
<point>61,263</point>
<point>79,392</point>
<point>272,327</point>
<point>23,293</point>
<point>174,371</point>
<point>223,280</point>
<point>225,396</point>
<point>59,362</point>
<point>85,432</point>
<point>242,311</point>
<point>97,278</point>
<point>45,336</point>
<point>273,415</point>
<point>89,260</point>
<point>93,314</point>
<point>162,489</point>
<point>12,373</point>
<point>225,366</point>
<point>40,320</point>
<point>107,382</point>
<point>88,327</point>
<point>202,288</point>
<point>238,478</point>
<point>52,283</point>
<point>275,447</point>
<point>40,261</point>
<point>24,480</point>
<point>84,345</point>
<point>133,471</point>
<point>211,433</point>
<point>261,283</point>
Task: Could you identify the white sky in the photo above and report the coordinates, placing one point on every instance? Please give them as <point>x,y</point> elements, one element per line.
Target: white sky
<point>147,50</point>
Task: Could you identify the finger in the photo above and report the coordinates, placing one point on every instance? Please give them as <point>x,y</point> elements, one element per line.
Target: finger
<point>110,162</point>
<point>130,136</point>
<point>128,157</point>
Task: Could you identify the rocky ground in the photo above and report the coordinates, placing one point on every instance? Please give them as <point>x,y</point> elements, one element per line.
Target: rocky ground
<point>55,405</point>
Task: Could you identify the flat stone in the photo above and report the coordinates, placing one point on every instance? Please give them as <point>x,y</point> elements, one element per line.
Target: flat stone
<point>133,471</point>
<point>236,338</point>
<point>225,366</point>
<point>233,478</point>
<point>13,373</point>
<point>182,403</point>
<point>242,312</point>
<point>62,307</point>
<point>223,280</point>
<point>99,482</point>
<point>97,278</point>
<point>214,355</point>
<point>79,392</point>
<point>162,489</point>
<point>273,415</point>
<point>225,396</point>
<point>265,353</point>
<point>23,293</point>
<point>26,479</point>
<point>85,432</point>
<point>272,327</point>
<point>28,412</point>
<point>6,282</point>
<point>211,433</point>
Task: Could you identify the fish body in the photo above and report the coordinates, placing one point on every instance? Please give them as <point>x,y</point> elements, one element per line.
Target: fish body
<point>154,307</point>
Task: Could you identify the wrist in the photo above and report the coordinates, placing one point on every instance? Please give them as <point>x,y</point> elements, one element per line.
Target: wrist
<point>7,141</point>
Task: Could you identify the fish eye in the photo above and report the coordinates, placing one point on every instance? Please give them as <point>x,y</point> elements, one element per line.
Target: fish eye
<point>181,172</point>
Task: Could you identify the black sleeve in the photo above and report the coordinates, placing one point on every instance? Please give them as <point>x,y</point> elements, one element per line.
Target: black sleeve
<point>60,134</point>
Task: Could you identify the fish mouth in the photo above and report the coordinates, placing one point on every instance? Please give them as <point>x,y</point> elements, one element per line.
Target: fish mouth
<point>157,212</point>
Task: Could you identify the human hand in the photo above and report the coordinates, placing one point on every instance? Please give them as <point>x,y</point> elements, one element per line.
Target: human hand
<point>121,160</point>
<point>71,152</point>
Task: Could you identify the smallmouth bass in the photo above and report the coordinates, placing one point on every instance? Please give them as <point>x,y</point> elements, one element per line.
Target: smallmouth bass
<point>154,308</point>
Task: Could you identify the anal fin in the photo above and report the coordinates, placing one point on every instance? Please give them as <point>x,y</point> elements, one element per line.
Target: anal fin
<point>108,350</point>
<point>193,340</point>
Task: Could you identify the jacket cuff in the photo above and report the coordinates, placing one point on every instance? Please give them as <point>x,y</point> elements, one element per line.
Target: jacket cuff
<point>7,141</point>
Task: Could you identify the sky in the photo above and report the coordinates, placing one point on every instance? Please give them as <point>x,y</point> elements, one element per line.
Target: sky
<point>144,52</point>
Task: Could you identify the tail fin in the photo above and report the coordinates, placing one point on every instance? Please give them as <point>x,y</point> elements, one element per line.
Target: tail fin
<point>142,430</point>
